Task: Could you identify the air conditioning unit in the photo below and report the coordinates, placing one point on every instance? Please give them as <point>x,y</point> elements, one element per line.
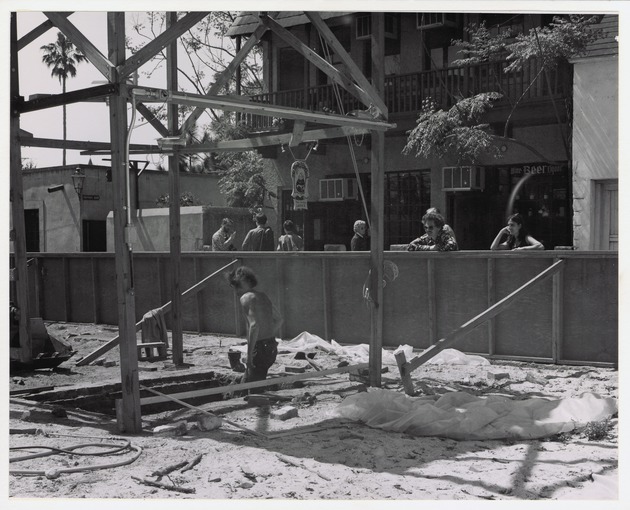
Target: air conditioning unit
<point>331,190</point>
<point>462,178</point>
<point>363,26</point>
<point>426,20</point>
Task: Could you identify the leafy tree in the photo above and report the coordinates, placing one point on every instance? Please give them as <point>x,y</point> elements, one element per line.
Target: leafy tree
<point>459,130</point>
<point>208,52</point>
<point>62,57</point>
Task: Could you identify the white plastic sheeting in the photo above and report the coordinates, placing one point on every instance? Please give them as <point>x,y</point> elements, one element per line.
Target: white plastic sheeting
<point>361,353</point>
<point>462,416</point>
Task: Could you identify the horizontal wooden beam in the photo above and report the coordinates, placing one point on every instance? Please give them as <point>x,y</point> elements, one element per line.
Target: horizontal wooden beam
<point>147,52</point>
<point>51,143</point>
<point>247,144</point>
<point>39,30</point>
<point>74,96</point>
<point>264,109</point>
<point>250,385</point>
<point>83,44</point>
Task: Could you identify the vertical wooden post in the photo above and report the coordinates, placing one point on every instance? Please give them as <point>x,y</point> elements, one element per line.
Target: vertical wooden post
<point>16,197</point>
<point>377,206</point>
<point>492,298</point>
<point>432,308</point>
<point>174,212</point>
<point>129,411</point>
<point>557,315</point>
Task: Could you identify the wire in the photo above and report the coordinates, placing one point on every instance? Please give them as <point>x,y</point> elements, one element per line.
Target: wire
<point>327,56</point>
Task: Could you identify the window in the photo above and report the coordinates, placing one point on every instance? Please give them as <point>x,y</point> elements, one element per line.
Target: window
<point>407,197</point>
<point>503,23</point>
<point>436,19</point>
<point>363,26</point>
<point>290,69</point>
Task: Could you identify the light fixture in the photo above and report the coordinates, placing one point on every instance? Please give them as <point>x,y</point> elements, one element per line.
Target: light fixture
<point>316,145</point>
<point>282,148</point>
<point>78,178</point>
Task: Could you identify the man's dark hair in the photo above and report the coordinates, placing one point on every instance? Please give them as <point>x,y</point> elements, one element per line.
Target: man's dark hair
<point>288,226</point>
<point>241,274</point>
<point>261,218</point>
<point>226,221</point>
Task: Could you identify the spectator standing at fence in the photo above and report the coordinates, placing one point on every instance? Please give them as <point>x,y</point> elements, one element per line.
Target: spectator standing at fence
<point>514,236</point>
<point>437,238</point>
<point>290,241</point>
<point>446,227</point>
<point>223,239</point>
<point>263,323</point>
<point>260,238</point>
<point>360,241</point>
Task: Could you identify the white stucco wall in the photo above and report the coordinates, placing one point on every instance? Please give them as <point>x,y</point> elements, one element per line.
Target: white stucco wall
<point>595,139</point>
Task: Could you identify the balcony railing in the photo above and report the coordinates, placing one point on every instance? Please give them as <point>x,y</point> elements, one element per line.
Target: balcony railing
<point>404,93</point>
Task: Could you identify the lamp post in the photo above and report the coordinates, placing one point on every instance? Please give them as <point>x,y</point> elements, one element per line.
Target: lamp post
<point>78,179</point>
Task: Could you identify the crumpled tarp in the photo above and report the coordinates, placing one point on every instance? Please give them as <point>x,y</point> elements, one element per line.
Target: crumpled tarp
<point>459,415</point>
<point>361,353</point>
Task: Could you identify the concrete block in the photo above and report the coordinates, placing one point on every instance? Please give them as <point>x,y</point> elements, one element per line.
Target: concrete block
<point>284,413</point>
<point>207,422</point>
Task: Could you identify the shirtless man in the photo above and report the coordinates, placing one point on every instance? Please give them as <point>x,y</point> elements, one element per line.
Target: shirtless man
<point>263,322</point>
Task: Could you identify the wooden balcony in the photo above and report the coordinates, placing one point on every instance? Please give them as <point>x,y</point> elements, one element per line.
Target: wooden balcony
<point>404,93</point>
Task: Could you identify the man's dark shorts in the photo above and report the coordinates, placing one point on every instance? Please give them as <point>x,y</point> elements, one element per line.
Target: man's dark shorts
<point>263,357</point>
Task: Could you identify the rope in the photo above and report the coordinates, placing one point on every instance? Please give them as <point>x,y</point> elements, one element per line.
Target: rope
<point>327,56</point>
<point>56,472</point>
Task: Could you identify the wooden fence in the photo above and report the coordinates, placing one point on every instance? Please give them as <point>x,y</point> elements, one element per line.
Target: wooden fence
<point>570,318</point>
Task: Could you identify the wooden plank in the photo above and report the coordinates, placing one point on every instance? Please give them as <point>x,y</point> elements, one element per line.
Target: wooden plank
<point>16,197</point>
<point>377,208</point>
<point>347,60</point>
<point>74,96</point>
<point>256,384</point>
<point>166,38</point>
<point>88,146</point>
<point>96,295</point>
<point>98,60</point>
<point>296,135</point>
<point>557,314</point>
<point>317,60</point>
<point>327,302</point>
<point>494,310</point>
<point>163,309</point>
<point>129,411</point>
<point>199,296</point>
<point>431,300</point>
<point>189,406</point>
<point>152,119</point>
<point>174,207</point>
<point>280,296</point>
<point>225,76</point>
<point>492,297</point>
<point>38,31</point>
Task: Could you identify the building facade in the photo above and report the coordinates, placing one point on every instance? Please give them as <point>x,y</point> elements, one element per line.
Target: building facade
<point>419,65</point>
<point>59,219</point>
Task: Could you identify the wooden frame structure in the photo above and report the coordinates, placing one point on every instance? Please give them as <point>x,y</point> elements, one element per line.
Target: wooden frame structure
<point>406,367</point>
<point>116,69</point>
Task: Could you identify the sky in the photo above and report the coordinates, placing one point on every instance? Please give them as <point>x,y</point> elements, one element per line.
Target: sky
<point>85,121</point>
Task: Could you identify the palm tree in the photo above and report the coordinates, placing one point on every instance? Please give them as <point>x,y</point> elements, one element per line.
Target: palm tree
<point>62,57</point>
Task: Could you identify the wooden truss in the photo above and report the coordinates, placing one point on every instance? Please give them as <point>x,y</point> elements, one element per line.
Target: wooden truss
<point>116,69</point>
